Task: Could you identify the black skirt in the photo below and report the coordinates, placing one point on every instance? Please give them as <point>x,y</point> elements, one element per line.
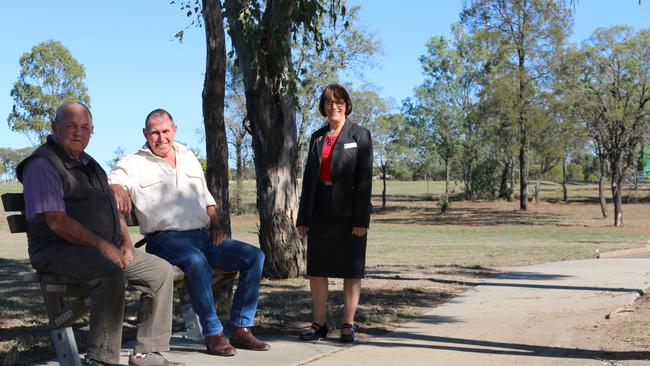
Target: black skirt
<point>332,250</point>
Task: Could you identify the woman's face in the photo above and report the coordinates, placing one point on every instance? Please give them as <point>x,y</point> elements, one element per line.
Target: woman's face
<point>335,109</point>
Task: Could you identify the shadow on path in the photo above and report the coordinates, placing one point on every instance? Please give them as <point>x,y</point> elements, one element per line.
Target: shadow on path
<point>504,348</point>
<point>520,276</point>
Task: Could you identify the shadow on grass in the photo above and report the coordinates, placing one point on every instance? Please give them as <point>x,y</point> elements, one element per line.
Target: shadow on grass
<point>397,271</point>
<point>465,216</point>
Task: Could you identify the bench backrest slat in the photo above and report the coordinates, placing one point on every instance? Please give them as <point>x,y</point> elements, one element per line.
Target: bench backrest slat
<point>14,205</point>
<point>13,202</point>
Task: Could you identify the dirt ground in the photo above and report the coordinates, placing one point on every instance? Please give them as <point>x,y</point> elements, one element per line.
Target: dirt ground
<point>438,257</point>
<point>391,296</point>
<point>626,329</point>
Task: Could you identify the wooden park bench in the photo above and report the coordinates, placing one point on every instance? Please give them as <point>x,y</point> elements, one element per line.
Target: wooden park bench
<point>66,300</point>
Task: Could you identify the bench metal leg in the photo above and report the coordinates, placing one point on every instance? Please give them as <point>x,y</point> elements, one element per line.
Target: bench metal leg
<point>193,329</point>
<point>66,347</point>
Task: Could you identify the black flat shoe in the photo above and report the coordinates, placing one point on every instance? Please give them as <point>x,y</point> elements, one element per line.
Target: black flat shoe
<point>315,332</point>
<point>347,333</point>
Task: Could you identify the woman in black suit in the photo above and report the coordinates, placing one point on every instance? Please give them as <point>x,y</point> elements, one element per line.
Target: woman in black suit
<point>335,210</point>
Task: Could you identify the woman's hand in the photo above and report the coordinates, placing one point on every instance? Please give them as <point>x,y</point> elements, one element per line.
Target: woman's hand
<point>359,231</point>
<point>302,230</point>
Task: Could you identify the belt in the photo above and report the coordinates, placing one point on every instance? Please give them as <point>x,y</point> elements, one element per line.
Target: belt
<point>325,183</point>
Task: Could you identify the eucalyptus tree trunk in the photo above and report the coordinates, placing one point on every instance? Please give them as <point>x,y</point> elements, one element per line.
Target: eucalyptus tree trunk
<point>271,111</point>
<point>213,104</point>
<point>503,186</point>
<point>523,139</point>
<point>565,195</point>
<point>601,187</point>
<point>538,187</point>
<point>447,176</point>
<point>617,196</point>
<point>384,169</point>
<point>512,180</point>
<point>469,189</point>
<point>239,173</point>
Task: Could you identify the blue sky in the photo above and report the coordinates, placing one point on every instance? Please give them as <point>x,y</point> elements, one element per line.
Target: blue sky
<point>134,64</point>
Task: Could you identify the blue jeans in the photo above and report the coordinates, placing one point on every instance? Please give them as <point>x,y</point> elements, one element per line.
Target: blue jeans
<point>194,253</point>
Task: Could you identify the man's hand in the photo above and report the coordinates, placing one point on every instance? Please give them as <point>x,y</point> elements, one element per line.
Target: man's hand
<point>127,253</point>
<point>359,231</point>
<point>218,236</point>
<point>75,233</point>
<point>122,198</point>
<point>302,230</point>
<point>113,253</point>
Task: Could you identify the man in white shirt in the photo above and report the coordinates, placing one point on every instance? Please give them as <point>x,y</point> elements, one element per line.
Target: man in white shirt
<point>164,180</point>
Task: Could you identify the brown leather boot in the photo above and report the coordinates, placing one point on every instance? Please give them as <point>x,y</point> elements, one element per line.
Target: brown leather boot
<point>218,345</point>
<point>243,338</point>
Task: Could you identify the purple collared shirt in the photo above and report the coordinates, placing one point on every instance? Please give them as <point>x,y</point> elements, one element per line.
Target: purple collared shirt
<point>43,188</point>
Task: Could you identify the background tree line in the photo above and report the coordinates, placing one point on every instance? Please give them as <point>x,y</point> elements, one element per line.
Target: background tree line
<point>505,100</point>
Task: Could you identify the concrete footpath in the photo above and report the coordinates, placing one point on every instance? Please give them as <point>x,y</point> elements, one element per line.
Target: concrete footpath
<point>536,315</point>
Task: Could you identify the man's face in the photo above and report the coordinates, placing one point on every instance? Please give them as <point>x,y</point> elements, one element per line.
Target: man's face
<point>160,135</point>
<point>73,130</point>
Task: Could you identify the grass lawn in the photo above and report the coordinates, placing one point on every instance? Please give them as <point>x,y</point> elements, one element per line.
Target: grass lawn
<point>409,244</point>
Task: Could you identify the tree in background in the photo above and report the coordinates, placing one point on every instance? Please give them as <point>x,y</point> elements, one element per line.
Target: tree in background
<point>9,159</point>
<point>497,107</point>
<point>49,76</point>
<point>349,48</point>
<point>118,154</point>
<point>388,131</point>
<point>564,98</point>
<point>216,145</point>
<point>262,33</point>
<point>529,32</point>
<point>367,109</point>
<point>443,105</point>
<point>237,127</point>
<point>544,149</point>
<point>615,101</point>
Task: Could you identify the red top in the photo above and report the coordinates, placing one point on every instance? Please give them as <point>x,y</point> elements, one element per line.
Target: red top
<point>325,174</point>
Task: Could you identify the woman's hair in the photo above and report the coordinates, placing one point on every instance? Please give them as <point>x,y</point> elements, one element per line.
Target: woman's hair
<point>338,92</point>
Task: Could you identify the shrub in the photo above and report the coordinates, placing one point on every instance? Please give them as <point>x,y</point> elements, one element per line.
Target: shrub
<point>486,178</point>
<point>443,203</point>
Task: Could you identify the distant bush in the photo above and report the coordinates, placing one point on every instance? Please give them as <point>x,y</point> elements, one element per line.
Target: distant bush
<point>443,203</point>
<point>554,175</point>
<point>486,179</point>
<point>575,172</point>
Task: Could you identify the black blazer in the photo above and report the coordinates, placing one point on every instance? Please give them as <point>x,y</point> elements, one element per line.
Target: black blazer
<point>351,175</point>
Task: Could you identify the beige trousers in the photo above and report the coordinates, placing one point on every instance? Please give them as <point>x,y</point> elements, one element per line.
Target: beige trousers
<point>147,273</point>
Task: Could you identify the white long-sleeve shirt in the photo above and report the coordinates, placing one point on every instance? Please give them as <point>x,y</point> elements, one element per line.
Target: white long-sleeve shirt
<point>165,198</point>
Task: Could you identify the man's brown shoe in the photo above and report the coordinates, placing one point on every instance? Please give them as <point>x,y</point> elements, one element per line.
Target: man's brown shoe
<point>243,338</point>
<point>218,345</point>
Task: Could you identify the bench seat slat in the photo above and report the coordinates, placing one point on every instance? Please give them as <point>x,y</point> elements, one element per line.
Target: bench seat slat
<point>179,276</point>
<point>17,223</point>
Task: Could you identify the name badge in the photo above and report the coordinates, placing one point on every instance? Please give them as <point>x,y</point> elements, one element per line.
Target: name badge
<point>350,145</point>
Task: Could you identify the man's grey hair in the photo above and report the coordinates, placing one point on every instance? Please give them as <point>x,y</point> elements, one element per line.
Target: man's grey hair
<point>59,111</point>
<point>155,114</point>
